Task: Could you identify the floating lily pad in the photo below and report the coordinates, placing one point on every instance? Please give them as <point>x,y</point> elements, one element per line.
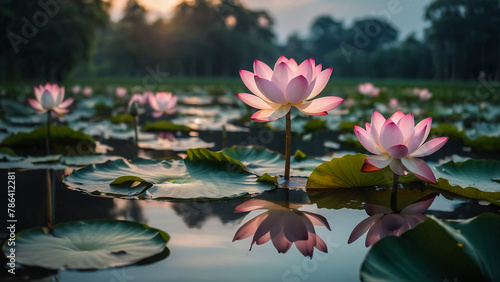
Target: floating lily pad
<point>93,244</point>
<point>315,125</point>
<point>122,118</point>
<point>209,124</point>
<point>203,174</point>
<point>472,179</point>
<point>181,144</point>
<point>484,144</point>
<point>345,172</point>
<point>54,161</point>
<point>260,160</point>
<point>45,159</point>
<point>164,126</point>
<point>108,130</point>
<point>7,154</point>
<point>438,251</point>
<point>64,140</point>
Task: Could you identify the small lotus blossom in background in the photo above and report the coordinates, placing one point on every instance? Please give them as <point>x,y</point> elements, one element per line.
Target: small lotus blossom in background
<point>276,91</point>
<point>393,103</point>
<point>162,102</point>
<point>383,221</point>
<point>368,89</point>
<point>349,102</point>
<point>424,94</point>
<point>283,226</point>
<point>76,89</point>
<point>168,136</point>
<point>397,142</point>
<point>121,92</point>
<point>87,91</point>
<point>50,98</point>
<point>416,91</point>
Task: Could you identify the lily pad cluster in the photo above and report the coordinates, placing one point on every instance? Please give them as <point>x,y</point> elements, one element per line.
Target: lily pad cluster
<point>474,179</point>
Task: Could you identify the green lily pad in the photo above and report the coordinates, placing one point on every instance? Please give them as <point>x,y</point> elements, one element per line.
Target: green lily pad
<point>472,179</point>
<point>122,118</point>
<point>7,152</point>
<point>64,140</point>
<point>92,244</point>
<point>164,126</point>
<point>260,160</point>
<point>203,174</point>
<point>315,125</point>
<point>45,159</point>
<point>484,144</point>
<point>181,144</point>
<point>345,172</point>
<point>438,251</point>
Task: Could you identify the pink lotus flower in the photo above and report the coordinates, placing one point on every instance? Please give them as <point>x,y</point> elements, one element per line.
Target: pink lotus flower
<point>424,94</point>
<point>121,92</point>
<point>163,102</point>
<point>276,91</point>
<point>368,89</point>
<point>383,221</point>
<point>393,103</point>
<point>76,89</point>
<point>283,226</point>
<point>87,91</point>
<point>50,98</point>
<point>397,142</point>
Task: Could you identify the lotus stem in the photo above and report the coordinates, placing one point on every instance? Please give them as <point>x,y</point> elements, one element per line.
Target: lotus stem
<point>136,141</point>
<point>47,139</point>
<point>394,193</point>
<point>50,211</point>
<point>224,136</point>
<point>287,198</point>
<point>288,144</point>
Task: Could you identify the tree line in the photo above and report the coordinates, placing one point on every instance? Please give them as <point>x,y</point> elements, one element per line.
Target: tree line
<point>56,39</point>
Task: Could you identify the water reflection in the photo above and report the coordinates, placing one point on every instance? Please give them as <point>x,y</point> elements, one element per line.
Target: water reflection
<point>196,213</point>
<point>283,225</point>
<point>383,221</point>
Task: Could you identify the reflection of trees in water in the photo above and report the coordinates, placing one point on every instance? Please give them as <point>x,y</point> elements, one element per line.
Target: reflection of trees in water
<point>128,210</point>
<point>69,205</point>
<point>466,210</point>
<point>196,213</point>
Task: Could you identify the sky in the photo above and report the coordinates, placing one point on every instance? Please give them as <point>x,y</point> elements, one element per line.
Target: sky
<point>297,15</point>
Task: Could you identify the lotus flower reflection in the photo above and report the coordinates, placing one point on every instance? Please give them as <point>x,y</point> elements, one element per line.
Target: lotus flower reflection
<point>397,142</point>
<point>289,84</point>
<point>283,226</point>
<point>50,98</point>
<point>383,221</point>
<point>162,102</point>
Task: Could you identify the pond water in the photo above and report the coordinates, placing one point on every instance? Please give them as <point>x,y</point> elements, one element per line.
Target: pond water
<point>201,233</point>
<point>201,246</point>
